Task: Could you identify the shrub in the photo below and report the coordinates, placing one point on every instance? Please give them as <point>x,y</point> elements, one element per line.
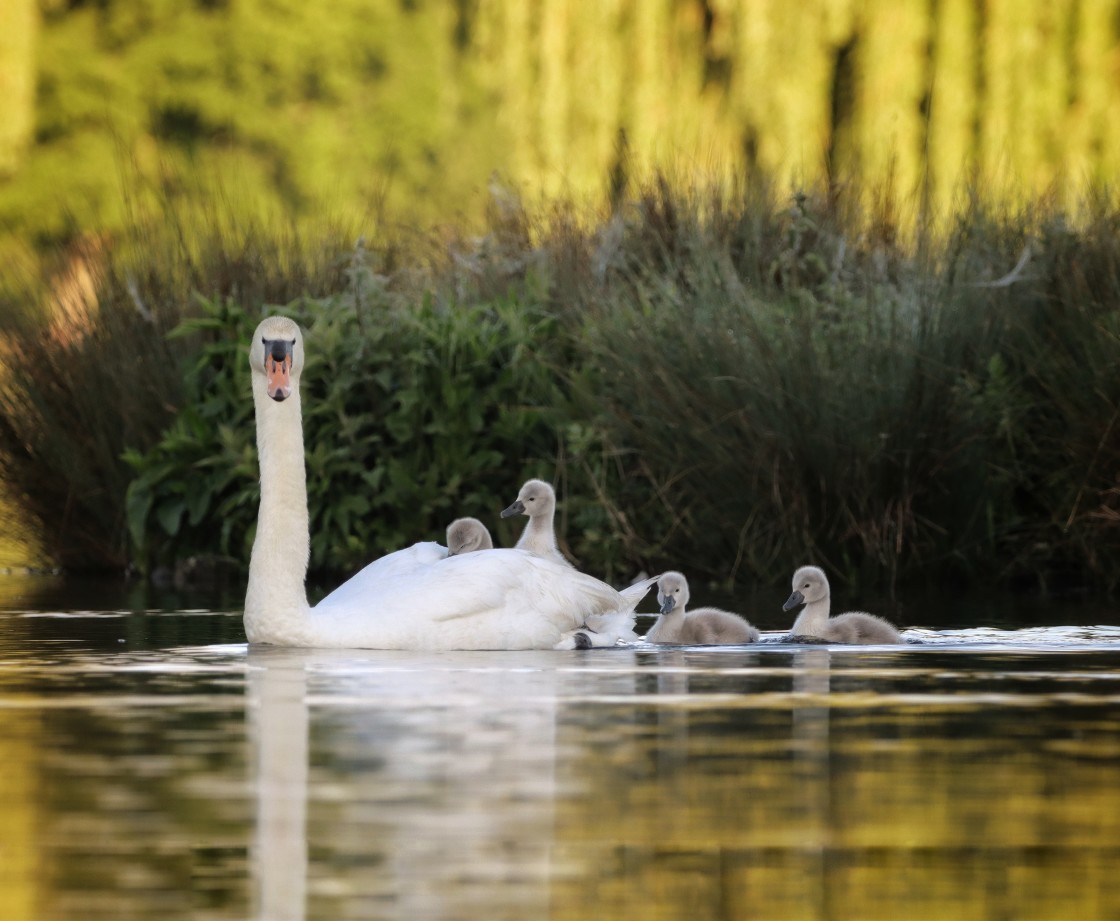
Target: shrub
<point>731,386</point>
<point>413,415</point>
<point>786,384</point>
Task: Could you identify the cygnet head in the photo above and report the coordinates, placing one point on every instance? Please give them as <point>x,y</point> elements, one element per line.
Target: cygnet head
<point>465,535</point>
<point>276,357</point>
<point>535,499</point>
<point>672,592</point>
<point>809,584</point>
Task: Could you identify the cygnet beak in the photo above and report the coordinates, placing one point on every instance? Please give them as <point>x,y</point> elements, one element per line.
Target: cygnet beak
<point>518,508</point>
<point>794,600</point>
<point>667,604</point>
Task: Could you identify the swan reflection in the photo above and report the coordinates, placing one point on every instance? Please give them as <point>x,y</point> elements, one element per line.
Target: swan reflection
<point>433,779</point>
<point>691,782</point>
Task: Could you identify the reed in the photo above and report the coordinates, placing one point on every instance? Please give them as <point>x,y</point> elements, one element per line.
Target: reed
<point>789,383</point>
<point>87,369</point>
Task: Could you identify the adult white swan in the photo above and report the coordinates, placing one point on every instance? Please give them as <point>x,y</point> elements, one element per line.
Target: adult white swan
<point>417,598</point>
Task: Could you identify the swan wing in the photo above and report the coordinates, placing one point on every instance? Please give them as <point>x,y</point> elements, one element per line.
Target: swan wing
<point>409,561</point>
<point>618,624</point>
<point>633,594</point>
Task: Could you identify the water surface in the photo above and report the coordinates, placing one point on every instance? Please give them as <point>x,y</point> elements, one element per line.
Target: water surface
<point>153,766</point>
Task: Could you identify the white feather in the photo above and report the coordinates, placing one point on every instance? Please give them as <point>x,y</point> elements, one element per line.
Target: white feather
<point>417,598</point>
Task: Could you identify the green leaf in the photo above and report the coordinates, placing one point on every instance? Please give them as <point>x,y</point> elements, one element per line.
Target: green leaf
<point>170,515</point>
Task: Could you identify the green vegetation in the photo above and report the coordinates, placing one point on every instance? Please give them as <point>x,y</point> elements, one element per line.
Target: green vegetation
<point>18,28</point>
<point>808,389</point>
<point>728,384</point>
<point>87,369</point>
<point>412,105</point>
<point>297,112</point>
<point>414,414</point>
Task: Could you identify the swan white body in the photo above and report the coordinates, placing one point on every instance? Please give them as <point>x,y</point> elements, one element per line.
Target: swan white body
<point>810,588</point>
<point>417,598</point>
<point>702,627</point>
<point>537,499</point>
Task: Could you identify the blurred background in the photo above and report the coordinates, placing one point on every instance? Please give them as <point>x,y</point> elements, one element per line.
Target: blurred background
<point>409,106</point>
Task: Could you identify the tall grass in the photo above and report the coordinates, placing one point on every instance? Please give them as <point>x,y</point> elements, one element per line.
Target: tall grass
<point>87,368</point>
<point>791,382</point>
<point>727,384</point>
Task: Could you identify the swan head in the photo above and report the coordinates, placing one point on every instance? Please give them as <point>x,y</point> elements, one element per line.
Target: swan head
<point>672,592</point>
<point>535,499</point>
<point>810,584</point>
<point>465,535</point>
<point>276,357</point>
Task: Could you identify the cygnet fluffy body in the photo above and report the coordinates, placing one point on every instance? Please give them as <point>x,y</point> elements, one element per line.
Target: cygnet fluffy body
<point>702,627</point>
<point>810,588</point>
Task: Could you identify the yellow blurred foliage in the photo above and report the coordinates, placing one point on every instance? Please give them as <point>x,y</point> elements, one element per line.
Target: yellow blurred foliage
<point>412,107</point>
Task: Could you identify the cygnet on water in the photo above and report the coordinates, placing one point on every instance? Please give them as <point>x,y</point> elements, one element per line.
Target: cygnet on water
<point>702,627</point>
<point>465,535</point>
<point>810,588</point>
<point>537,499</point>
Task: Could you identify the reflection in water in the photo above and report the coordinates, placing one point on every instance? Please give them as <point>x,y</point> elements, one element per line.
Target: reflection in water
<point>433,783</point>
<point>278,736</point>
<point>838,800</point>
<point>810,751</point>
<point>18,860</point>
<point>969,779</point>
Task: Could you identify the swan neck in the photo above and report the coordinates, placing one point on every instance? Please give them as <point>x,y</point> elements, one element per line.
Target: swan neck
<point>538,536</point>
<point>276,597</point>
<point>812,618</point>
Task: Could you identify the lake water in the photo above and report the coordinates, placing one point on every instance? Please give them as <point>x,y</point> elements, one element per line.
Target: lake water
<point>153,766</point>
